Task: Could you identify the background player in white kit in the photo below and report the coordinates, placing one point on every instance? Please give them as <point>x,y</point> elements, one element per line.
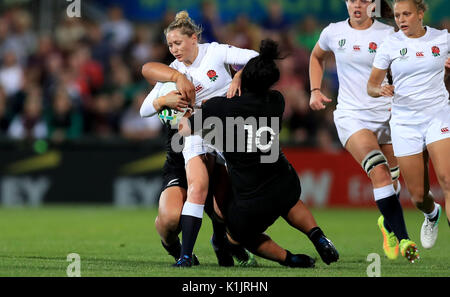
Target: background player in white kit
<point>208,66</point>
<point>420,121</point>
<point>362,122</point>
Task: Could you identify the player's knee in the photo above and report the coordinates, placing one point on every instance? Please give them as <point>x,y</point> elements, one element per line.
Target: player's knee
<point>395,173</point>
<point>376,166</point>
<point>444,180</point>
<point>197,192</point>
<point>168,219</point>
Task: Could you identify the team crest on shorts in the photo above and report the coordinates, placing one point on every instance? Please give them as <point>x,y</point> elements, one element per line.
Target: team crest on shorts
<point>373,47</point>
<point>212,75</point>
<point>436,51</point>
<point>445,130</point>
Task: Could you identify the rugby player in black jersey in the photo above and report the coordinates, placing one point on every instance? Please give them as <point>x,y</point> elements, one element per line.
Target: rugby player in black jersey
<point>264,184</point>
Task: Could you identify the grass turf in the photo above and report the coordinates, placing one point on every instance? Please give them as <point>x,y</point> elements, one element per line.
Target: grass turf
<point>124,242</point>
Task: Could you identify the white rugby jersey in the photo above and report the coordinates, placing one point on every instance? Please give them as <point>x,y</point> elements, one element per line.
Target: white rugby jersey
<point>418,70</point>
<point>209,73</point>
<point>355,51</point>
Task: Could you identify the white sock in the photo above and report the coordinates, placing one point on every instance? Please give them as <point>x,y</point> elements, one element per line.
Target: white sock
<point>433,213</point>
<point>383,192</point>
<point>399,187</point>
<point>192,209</point>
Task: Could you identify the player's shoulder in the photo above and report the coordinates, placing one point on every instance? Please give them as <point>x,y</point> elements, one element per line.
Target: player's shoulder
<point>435,33</point>
<point>395,37</point>
<point>379,26</point>
<point>342,25</point>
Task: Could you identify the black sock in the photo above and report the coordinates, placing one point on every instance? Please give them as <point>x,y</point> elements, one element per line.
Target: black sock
<point>386,225</point>
<point>392,211</point>
<point>238,251</point>
<point>190,226</point>
<point>174,249</point>
<point>314,234</point>
<point>448,221</point>
<point>219,232</point>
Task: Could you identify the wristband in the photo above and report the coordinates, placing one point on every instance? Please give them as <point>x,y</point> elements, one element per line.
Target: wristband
<point>315,89</point>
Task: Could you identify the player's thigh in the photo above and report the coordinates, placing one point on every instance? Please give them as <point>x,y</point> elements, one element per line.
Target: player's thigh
<point>439,153</point>
<point>388,152</point>
<point>361,143</point>
<point>414,170</point>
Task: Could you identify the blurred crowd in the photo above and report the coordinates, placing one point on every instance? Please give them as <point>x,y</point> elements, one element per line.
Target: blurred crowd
<point>84,79</point>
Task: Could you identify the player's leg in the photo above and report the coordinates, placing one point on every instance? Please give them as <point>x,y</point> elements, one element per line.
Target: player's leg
<point>363,146</point>
<point>302,219</point>
<point>263,246</point>
<point>388,152</point>
<point>167,222</point>
<point>221,187</point>
<point>192,214</point>
<point>438,153</point>
<point>415,174</point>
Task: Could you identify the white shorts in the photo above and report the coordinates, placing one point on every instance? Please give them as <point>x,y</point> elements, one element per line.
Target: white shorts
<point>412,138</point>
<point>194,146</point>
<point>348,123</point>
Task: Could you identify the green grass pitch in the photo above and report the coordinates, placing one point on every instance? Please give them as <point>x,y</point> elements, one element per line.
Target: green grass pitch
<point>124,242</point>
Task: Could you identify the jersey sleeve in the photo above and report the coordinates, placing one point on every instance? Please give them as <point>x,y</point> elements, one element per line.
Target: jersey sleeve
<point>147,108</point>
<point>233,55</point>
<point>382,58</point>
<point>324,39</point>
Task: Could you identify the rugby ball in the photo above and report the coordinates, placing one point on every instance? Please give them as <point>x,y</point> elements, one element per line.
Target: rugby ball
<point>167,115</point>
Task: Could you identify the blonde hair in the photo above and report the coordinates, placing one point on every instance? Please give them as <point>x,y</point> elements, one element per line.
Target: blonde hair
<point>185,24</point>
<point>420,4</point>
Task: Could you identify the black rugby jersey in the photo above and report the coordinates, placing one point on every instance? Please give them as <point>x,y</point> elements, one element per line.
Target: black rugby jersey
<point>248,125</point>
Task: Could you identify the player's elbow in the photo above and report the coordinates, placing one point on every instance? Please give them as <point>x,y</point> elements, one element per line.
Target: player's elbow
<point>146,72</point>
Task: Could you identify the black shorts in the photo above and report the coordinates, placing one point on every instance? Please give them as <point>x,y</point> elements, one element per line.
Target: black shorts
<point>174,172</point>
<point>248,218</point>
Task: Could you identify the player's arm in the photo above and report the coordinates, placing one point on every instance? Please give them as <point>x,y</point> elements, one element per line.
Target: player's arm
<point>154,71</point>
<point>316,70</point>
<point>235,56</point>
<point>154,104</point>
<point>235,86</point>
<point>374,87</point>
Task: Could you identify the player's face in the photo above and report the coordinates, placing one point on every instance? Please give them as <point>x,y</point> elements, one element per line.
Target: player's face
<point>181,46</point>
<point>408,17</point>
<point>357,10</point>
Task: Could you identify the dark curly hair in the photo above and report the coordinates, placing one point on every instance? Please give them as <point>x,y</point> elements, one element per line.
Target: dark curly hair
<point>261,72</point>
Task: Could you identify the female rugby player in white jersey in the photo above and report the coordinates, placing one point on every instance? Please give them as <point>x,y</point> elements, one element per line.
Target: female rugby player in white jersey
<point>208,66</point>
<point>362,122</point>
<point>420,120</point>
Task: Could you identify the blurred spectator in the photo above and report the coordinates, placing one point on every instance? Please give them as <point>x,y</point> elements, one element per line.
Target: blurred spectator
<point>29,124</point>
<point>242,33</point>
<point>4,114</point>
<point>100,49</point>
<point>160,48</point>
<point>85,72</point>
<point>22,39</point>
<point>134,127</point>
<point>63,120</point>
<point>117,30</point>
<point>68,33</point>
<point>275,22</point>
<point>308,33</point>
<point>102,120</point>
<point>210,22</point>
<point>11,74</point>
